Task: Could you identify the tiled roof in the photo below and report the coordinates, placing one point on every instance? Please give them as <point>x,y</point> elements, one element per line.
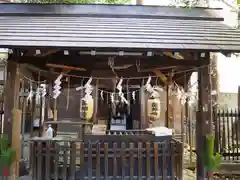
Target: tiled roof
<point>102,26</point>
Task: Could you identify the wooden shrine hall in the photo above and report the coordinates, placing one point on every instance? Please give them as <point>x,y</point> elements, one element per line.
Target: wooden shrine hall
<point>150,48</point>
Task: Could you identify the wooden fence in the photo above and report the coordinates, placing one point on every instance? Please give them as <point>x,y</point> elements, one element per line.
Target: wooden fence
<point>130,132</point>
<point>227,133</point>
<point>226,127</point>
<point>107,157</point>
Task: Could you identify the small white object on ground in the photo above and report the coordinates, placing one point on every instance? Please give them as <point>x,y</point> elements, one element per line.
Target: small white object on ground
<point>161,131</point>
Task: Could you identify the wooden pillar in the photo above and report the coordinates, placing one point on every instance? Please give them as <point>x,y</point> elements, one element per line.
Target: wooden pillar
<point>16,141</point>
<point>204,118</point>
<point>129,100</point>
<point>142,108</point>
<point>23,120</point>
<point>52,111</point>
<point>169,110</point>
<point>43,112</point>
<point>238,98</point>
<point>12,115</point>
<point>185,120</point>
<point>40,117</point>
<point>215,87</point>
<point>11,98</point>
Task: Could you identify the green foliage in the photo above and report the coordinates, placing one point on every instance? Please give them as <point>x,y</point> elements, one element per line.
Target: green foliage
<point>6,154</point>
<point>211,161</point>
<point>3,143</point>
<point>190,3</point>
<point>7,158</point>
<point>116,1</point>
<point>77,1</point>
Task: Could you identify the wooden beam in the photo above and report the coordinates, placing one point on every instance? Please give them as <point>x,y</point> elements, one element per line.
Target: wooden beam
<point>44,73</point>
<point>160,75</point>
<point>170,54</point>
<point>29,52</point>
<point>87,61</point>
<point>159,68</point>
<point>65,67</point>
<point>46,52</point>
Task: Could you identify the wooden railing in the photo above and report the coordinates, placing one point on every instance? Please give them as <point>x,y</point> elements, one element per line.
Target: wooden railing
<point>109,157</point>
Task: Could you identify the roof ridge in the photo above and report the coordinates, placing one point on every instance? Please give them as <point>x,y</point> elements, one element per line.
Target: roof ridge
<point>109,10</point>
<point>115,16</point>
<point>131,5</point>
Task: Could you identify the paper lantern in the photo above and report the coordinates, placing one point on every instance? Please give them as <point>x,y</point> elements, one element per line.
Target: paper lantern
<point>87,109</point>
<point>154,110</point>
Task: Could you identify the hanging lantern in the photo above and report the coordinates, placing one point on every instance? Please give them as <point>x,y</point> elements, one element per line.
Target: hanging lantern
<point>154,110</point>
<point>87,109</point>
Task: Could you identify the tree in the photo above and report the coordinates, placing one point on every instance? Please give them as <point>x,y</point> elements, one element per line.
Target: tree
<point>78,1</point>
<point>190,3</point>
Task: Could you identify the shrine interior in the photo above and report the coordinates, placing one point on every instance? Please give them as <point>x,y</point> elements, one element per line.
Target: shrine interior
<point>106,68</point>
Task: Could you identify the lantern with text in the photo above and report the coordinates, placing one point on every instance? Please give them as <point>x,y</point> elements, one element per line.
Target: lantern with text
<point>153,109</point>
<point>87,101</point>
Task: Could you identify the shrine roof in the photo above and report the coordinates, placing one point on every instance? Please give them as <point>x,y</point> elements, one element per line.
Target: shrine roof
<point>115,26</point>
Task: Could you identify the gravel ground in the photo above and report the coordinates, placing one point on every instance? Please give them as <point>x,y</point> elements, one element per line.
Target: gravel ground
<point>188,174</point>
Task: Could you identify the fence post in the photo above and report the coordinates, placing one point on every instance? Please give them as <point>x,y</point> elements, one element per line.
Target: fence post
<point>72,160</point>
<point>238,97</point>
<point>217,122</point>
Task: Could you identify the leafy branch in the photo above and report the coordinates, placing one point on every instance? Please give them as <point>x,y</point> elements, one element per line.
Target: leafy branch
<point>189,3</point>
<point>77,1</point>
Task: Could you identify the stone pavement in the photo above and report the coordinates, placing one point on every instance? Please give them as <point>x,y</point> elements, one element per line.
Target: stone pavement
<point>187,173</point>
